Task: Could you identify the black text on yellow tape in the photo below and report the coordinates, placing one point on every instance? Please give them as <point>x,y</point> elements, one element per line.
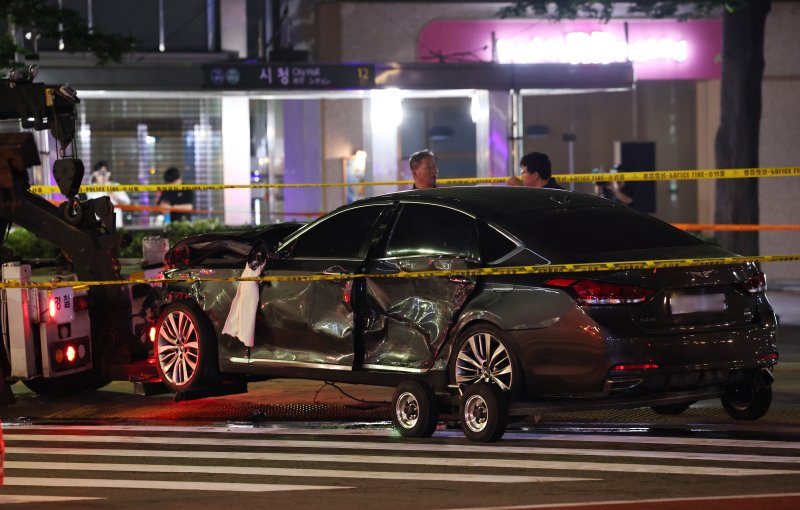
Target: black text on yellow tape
<point>660,175</point>
<point>480,271</point>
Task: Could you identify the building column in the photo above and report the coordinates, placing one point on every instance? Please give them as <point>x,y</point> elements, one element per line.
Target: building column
<point>233,27</point>
<point>236,158</point>
<point>302,157</point>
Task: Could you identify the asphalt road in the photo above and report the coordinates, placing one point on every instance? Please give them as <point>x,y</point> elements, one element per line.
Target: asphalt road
<point>271,467</point>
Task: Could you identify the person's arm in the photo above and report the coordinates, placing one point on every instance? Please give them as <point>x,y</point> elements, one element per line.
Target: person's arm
<point>617,188</point>
<point>514,181</point>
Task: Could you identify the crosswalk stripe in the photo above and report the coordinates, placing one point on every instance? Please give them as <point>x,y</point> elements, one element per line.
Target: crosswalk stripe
<point>290,472</point>
<point>351,445</point>
<point>410,461</point>
<point>387,432</point>
<point>159,484</point>
<point>643,503</point>
<point>16,499</point>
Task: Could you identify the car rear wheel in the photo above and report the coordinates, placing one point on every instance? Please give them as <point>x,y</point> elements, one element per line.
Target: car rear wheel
<point>415,409</point>
<point>186,347</point>
<point>747,402</point>
<point>484,412</point>
<point>483,355</point>
<point>672,409</point>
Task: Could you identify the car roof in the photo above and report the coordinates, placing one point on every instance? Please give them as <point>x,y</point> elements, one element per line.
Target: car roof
<point>490,201</point>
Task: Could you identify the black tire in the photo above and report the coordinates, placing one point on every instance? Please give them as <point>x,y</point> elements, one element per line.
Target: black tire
<point>672,409</point>
<point>504,370</point>
<point>185,336</point>
<point>483,412</point>
<point>415,409</point>
<point>747,402</point>
<point>67,385</point>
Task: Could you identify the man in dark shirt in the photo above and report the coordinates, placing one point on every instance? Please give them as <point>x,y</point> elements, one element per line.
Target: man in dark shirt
<point>180,203</point>
<point>535,171</point>
<point>423,169</point>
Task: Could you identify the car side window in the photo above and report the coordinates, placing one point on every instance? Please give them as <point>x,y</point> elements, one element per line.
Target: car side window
<point>425,229</point>
<point>342,236</point>
<point>494,245</point>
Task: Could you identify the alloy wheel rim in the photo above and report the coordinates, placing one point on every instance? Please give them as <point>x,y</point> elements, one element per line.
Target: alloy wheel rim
<point>407,410</point>
<point>178,348</point>
<point>484,357</point>
<point>476,413</point>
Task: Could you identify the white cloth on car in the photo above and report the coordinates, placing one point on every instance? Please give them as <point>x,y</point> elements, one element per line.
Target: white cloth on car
<point>241,321</point>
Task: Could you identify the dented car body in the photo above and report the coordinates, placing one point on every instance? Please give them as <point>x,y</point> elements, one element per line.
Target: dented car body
<point>662,338</point>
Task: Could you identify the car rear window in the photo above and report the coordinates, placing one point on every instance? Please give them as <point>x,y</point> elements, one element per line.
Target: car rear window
<point>577,234</point>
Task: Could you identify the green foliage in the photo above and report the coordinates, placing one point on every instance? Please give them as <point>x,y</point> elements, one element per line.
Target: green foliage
<point>174,232</point>
<point>43,19</point>
<point>604,9</point>
<point>25,245</point>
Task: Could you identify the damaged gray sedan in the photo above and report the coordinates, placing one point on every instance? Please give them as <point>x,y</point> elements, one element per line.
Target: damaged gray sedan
<point>490,346</point>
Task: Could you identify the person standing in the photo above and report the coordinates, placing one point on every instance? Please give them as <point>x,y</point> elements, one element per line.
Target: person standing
<point>535,172</point>
<point>181,202</point>
<point>423,169</point>
<point>101,176</point>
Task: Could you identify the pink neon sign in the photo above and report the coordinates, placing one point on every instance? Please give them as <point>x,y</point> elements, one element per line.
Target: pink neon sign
<point>659,49</point>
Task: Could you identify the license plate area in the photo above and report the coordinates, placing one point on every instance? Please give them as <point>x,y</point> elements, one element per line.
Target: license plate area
<point>682,303</point>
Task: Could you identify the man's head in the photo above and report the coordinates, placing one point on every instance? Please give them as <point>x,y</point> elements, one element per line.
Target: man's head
<point>535,169</point>
<point>171,175</point>
<point>101,173</point>
<point>423,169</point>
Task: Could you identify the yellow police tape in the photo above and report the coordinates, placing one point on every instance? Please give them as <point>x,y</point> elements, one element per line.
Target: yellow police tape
<point>481,271</point>
<point>661,175</point>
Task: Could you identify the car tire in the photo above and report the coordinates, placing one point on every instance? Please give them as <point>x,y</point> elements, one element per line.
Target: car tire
<point>747,402</point>
<point>672,409</point>
<point>484,412</point>
<point>469,360</point>
<point>185,347</point>
<point>415,409</point>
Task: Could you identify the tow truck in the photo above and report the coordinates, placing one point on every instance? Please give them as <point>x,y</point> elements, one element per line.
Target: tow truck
<point>62,340</point>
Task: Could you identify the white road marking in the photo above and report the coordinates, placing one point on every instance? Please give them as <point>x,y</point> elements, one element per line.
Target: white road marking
<point>282,471</point>
<point>637,502</point>
<point>391,446</point>
<point>389,433</point>
<point>15,499</point>
<point>406,461</point>
<point>160,484</point>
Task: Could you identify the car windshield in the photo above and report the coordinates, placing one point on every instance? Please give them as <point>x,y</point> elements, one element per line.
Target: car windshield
<point>581,233</point>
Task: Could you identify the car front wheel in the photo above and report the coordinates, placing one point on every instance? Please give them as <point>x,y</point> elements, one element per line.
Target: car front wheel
<point>186,347</point>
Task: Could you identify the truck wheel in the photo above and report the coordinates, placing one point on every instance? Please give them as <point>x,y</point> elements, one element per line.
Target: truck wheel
<point>415,409</point>
<point>671,409</point>
<point>484,412</point>
<point>746,402</point>
<point>186,347</point>
<point>67,385</point>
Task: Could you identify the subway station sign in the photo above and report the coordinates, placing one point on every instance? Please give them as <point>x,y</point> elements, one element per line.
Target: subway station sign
<point>288,76</point>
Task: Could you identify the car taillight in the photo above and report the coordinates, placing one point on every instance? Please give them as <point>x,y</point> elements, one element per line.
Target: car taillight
<point>755,283</point>
<point>590,292</point>
<point>51,307</point>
